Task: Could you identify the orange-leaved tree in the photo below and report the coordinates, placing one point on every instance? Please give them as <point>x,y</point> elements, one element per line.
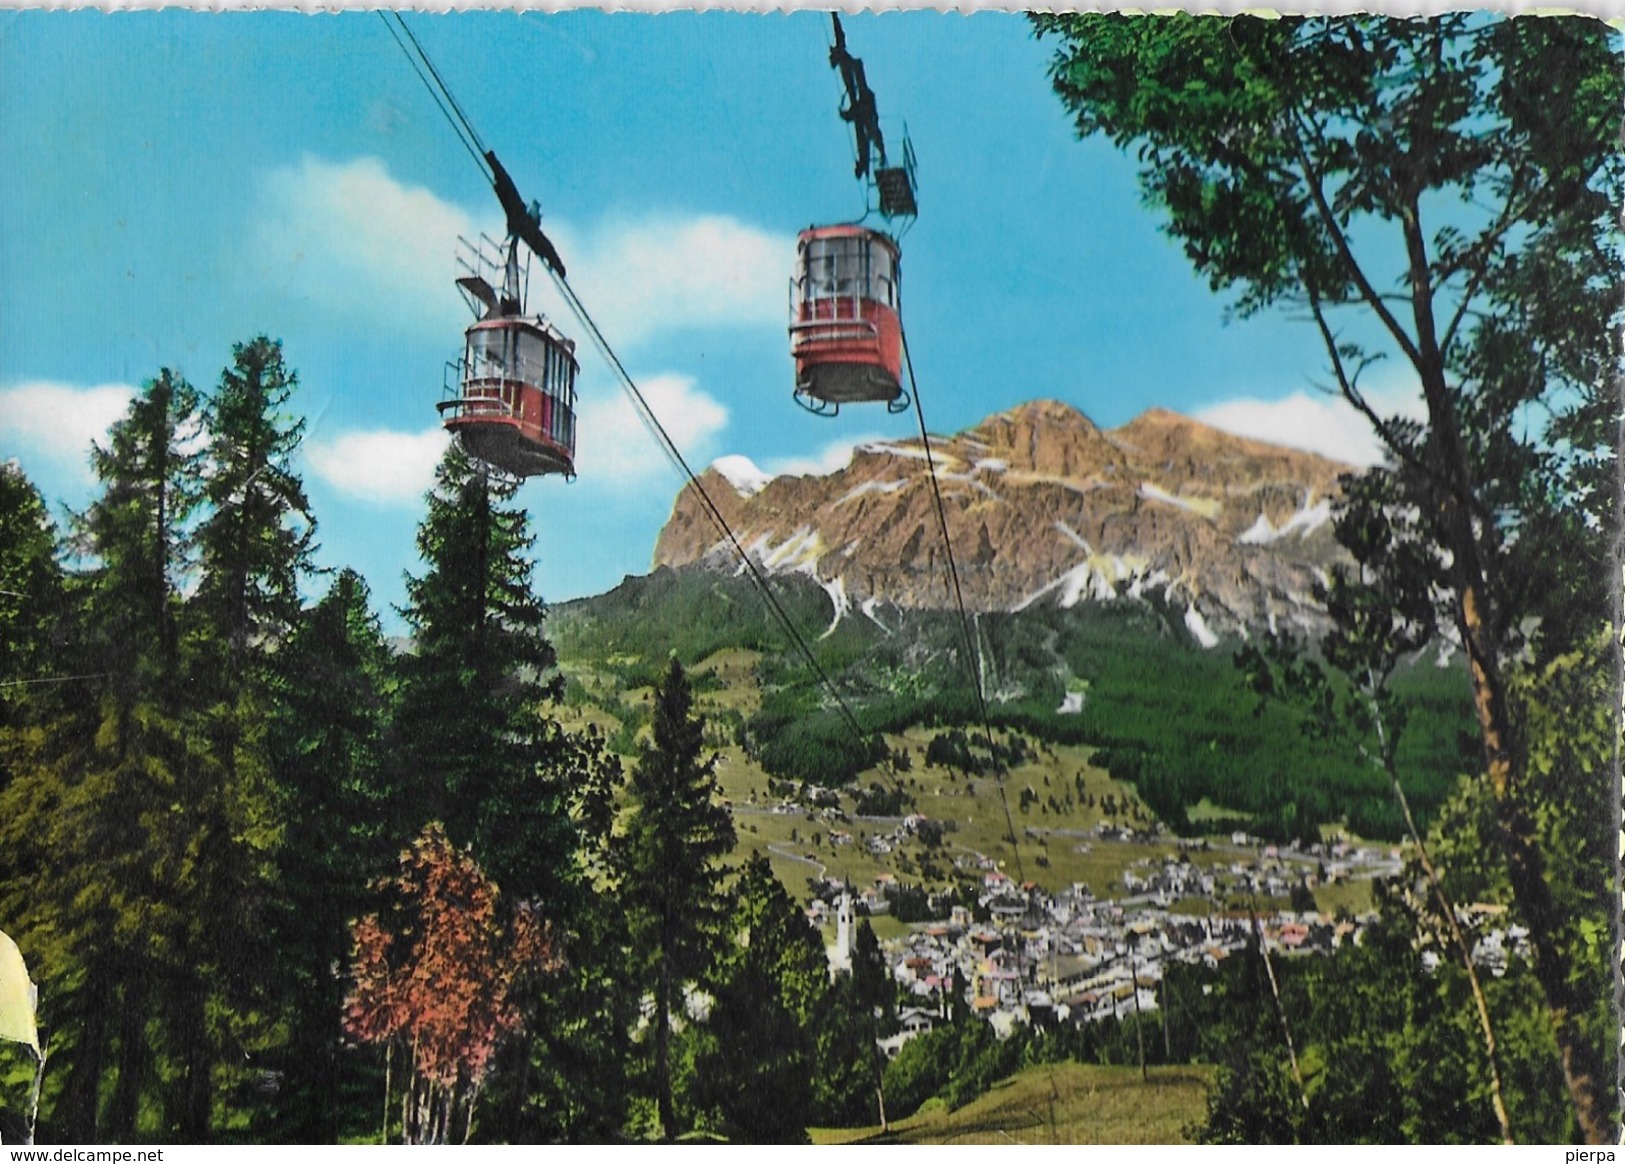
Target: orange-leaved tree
<point>433,979</point>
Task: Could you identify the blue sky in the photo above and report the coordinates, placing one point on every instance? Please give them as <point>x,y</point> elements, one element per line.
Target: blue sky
<point>175,182</point>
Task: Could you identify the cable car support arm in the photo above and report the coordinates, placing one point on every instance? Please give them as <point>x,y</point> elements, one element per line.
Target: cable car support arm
<point>859,107</point>
<point>524,220</point>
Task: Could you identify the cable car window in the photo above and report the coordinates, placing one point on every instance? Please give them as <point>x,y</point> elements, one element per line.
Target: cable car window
<point>484,353</point>
<point>882,275</point>
<point>850,264</point>
<point>835,267</point>
<point>821,270</point>
<point>532,363</point>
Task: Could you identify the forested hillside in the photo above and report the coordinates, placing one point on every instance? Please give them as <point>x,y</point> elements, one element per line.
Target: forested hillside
<point>1179,722</point>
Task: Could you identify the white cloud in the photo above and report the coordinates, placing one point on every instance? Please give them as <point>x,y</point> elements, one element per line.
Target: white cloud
<point>1315,423</point>
<point>349,236</point>
<point>832,458</point>
<point>643,276</point>
<point>613,446</point>
<point>57,422</point>
<point>379,466</point>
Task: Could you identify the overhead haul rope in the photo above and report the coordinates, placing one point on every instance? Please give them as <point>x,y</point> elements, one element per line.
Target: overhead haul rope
<point>463,127</point>
<point>438,90</point>
<point>54,679</point>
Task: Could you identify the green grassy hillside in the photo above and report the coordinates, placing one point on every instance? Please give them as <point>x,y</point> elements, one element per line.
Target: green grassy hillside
<point>1071,1103</point>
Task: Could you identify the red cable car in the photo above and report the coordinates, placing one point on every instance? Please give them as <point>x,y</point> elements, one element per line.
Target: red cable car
<point>511,398</point>
<point>845,331</point>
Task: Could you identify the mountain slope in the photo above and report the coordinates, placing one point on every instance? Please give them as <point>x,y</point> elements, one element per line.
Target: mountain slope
<point>1042,507</point>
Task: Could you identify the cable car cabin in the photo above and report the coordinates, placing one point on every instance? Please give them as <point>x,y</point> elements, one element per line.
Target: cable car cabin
<point>845,331</point>
<point>513,403</point>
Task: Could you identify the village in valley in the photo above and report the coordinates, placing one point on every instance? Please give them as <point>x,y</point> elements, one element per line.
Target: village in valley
<point>1021,953</point>
<point>1072,923</point>
<point>1013,951</point>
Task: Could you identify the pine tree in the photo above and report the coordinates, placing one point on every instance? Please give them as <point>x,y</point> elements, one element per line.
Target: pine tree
<point>138,539</point>
<point>759,1049</point>
<point>33,595</point>
<point>672,880</point>
<point>862,1010</point>
<point>576,1084</point>
<point>254,544</point>
<point>470,727</point>
<point>94,824</point>
<point>340,805</point>
<point>258,536</point>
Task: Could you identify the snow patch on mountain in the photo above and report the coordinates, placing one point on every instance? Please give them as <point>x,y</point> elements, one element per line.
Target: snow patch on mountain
<point>1074,537</point>
<point>1081,581</point>
<point>799,550</point>
<point>869,487</point>
<point>1303,521</point>
<point>868,608</point>
<point>742,473</point>
<point>1202,506</point>
<point>890,450</point>
<point>836,589</point>
<point>1197,625</point>
<point>1098,577</point>
<point>968,479</point>
<point>1140,582</point>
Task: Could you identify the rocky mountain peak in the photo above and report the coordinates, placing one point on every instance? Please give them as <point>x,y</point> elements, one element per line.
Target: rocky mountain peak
<point>1042,506</point>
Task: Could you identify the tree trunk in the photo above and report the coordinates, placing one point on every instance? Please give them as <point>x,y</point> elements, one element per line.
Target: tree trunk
<point>196,1094</point>
<point>389,1070</point>
<point>1504,752</point>
<point>33,1096</point>
<point>1275,997</point>
<point>1448,909</point>
<point>134,1060</point>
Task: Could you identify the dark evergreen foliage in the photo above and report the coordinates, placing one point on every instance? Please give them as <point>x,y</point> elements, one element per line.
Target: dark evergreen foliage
<point>256,539</point>
<point>469,727</point>
<point>343,816</point>
<point>34,600</point>
<point>671,873</point>
<point>756,1058</point>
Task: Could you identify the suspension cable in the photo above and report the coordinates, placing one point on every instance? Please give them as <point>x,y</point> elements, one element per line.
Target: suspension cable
<point>438,91</point>
<point>444,88</point>
<point>53,679</point>
<point>973,666</point>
